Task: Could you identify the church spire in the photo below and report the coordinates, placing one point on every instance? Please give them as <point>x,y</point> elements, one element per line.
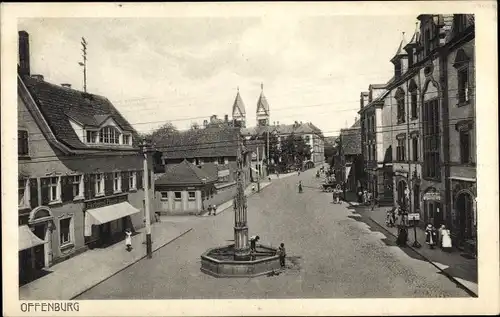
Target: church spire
<point>239,114</point>
<point>262,113</point>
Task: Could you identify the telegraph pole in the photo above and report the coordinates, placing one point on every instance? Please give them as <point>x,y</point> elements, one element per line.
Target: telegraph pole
<point>84,64</point>
<point>145,147</point>
<point>268,157</point>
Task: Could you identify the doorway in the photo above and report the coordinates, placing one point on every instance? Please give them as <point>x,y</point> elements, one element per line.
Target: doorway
<point>40,230</point>
<point>464,208</point>
<point>401,192</point>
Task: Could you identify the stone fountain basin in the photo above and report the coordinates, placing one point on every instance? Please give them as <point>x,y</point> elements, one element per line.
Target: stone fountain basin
<point>219,262</point>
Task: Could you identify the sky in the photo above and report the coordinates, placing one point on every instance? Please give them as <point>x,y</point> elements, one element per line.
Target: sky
<point>183,70</point>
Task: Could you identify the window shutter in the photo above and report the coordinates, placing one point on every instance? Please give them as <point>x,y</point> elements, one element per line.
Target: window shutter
<point>33,192</point>
<point>108,184</point>
<point>149,181</point>
<point>45,191</point>
<point>66,189</point>
<point>139,180</point>
<point>87,188</point>
<point>125,181</point>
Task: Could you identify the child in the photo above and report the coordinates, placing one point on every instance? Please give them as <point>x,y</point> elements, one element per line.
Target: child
<point>253,242</point>
<point>282,254</point>
<point>128,240</point>
<point>430,235</point>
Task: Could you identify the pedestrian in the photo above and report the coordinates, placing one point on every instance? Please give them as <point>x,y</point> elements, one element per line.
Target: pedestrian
<point>445,239</point>
<point>282,254</point>
<point>430,236</point>
<point>214,209</point>
<point>253,187</point>
<point>300,186</point>
<point>253,242</point>
<point>128,239</point>
<point>360,195</point>
<point>402,236</point>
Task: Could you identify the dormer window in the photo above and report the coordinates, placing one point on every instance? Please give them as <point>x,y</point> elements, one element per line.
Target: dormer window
<point>127,140</point>
<point>91,137</point>
<point>109,135</point>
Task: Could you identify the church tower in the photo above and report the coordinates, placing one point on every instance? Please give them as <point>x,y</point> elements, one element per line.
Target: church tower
<point>262,115</point>
<point>239,114</point>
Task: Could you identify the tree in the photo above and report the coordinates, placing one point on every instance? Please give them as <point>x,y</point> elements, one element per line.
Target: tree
<point>294,150</point>
<point>166,130</point>
<point>274,152</point>
<point>195,126</point>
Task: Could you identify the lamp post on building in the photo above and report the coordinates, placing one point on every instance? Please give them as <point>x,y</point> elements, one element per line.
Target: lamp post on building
<point>145,147</point>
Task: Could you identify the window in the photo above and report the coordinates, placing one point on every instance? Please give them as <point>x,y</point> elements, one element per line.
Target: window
<point>21,191</point>
<point>432,168</point>
<point>117,182</point>
<point>400,150</point>
<point>99,184</point>
<point>54,189</point>
<point>414,143</point>
<point>401,108</point>
<point>177,195</point>
<point>459,23</point>
<point>164,196</point>
<point>226,160</point>
<point>397,69</point>
<point>126,139</point>
<point>91,137</point>
<point>132,180</point>
<point>22,143</point>
<point>414,104</point>
<point>220,160</point>
<point>465,147</point>
<point>77,185</point>
<point>192,195</point>
<point>463,85</point>
<point>109,135</point>
<point>307,139</point>
<point>64,231</point>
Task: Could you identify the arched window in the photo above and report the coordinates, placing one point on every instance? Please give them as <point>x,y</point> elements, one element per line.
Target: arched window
<point>413,99</point>
<point>109,135</point>
<point>400,99</point>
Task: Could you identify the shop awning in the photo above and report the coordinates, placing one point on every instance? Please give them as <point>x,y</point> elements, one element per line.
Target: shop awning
<point>102,215</point>
<point>28,239</point>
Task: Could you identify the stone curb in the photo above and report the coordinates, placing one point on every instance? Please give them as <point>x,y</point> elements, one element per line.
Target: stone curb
<point>130,264</point>
<point>449,276</point>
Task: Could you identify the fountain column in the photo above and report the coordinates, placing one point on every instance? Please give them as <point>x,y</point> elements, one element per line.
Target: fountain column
<point>241,246</point>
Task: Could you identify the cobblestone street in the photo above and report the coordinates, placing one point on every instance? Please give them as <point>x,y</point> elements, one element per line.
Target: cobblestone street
<point>330,255</point>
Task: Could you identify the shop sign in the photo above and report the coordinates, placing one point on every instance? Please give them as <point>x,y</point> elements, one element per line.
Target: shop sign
<point>432,195</point>
<point>223,173</point>
<point>105,201</point>
<point>401,173</point>
<point>414,216</point>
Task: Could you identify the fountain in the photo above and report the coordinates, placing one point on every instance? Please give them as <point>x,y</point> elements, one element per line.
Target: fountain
<point>237,260</point>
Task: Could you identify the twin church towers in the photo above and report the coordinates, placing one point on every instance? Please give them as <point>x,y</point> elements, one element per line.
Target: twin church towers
<point>262,113</point>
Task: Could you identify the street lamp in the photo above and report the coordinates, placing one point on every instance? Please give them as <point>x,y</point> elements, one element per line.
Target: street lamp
<point>415,244</point>
<point>145,146</point>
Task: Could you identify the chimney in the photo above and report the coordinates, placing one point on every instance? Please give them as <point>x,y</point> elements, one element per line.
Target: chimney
<point>24,53</point>
<point>66,85</point>
<point>37,77</point>
<point>226,118</point>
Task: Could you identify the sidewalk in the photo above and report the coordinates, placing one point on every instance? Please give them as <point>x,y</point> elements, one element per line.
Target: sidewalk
<point>229,203</point>
<point>72,277</point>
<point>460,269</point>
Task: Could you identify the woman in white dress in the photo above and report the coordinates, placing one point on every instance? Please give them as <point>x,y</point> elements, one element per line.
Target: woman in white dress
<point>445,239</point>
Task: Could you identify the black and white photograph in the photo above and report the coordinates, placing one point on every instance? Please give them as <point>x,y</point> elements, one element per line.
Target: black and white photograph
<point>275,153</point>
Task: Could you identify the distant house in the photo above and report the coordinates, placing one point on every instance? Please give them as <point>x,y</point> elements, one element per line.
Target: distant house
<point>350,157</point>
<point>80,178</point>
<point>184,189</point>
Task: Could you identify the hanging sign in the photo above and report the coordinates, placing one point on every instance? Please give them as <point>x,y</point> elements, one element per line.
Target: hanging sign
<point>433,195</point>
<point>414,216</point>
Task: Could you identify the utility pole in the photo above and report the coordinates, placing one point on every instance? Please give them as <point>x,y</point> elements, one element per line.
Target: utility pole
<point>268,157</point>
<point>145,147</point>
<point>84,64</point>
<point>258,170</point>
<point>342,166</point>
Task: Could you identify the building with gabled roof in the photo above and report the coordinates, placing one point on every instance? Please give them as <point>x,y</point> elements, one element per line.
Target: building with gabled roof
<point>80,181</point>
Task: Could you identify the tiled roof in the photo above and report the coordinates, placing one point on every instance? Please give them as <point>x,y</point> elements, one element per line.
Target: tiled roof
<point>282,129</point>
<point>208,142</point>
<point>184,173</point>
<point>238,105</point>
<point>59,104</point>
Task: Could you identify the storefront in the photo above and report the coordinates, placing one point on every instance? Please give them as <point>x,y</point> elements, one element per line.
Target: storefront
<point>464,214</point>
<point>106,219</point>
<point>31,254</point>
<point>433,209</point>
